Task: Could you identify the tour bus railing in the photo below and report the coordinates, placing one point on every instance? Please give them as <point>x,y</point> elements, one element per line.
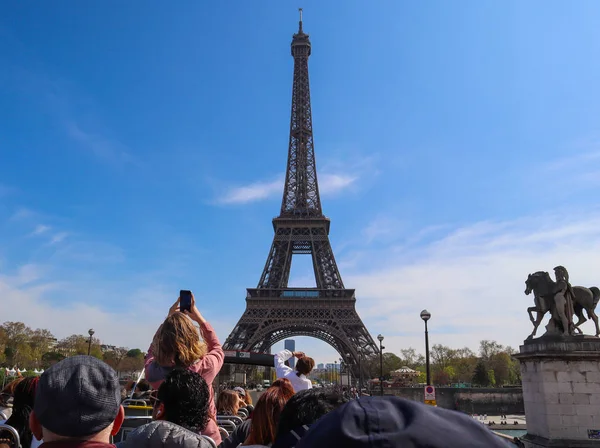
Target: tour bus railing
<point>13,433</point>
<point>140,376</point>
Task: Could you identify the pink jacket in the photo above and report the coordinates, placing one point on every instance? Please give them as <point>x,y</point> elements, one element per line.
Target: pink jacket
<point>208,367</point>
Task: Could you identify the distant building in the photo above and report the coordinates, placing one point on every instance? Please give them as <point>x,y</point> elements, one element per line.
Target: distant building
<point>290,344</point>
<point>321,366</point>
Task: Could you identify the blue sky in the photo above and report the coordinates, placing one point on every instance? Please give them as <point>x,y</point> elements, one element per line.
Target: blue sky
<point>142,147</point>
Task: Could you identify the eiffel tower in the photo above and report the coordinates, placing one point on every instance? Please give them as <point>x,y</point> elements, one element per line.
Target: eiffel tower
<point>275,311</point>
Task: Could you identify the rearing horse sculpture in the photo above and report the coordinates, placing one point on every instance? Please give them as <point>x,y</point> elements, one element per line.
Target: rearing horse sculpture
<point>543,287</point>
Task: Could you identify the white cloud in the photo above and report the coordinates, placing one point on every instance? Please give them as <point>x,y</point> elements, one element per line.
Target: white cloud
<point>101,146</point>
<point>257,191</point>
<point>382,227</point>
<point>58,237</point>
<point>329,184</point>
<point>22,213</point>
<point>24,297</point>
<point>472,279</point>
<point>40,229</point>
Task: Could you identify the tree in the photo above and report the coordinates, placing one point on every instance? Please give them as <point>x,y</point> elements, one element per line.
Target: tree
<point>441,377</point>
<point>492,378</point>
<point>500,364</point>
<point>464,365</point>
<point>41,341</point>
<point>442,356</point>
<point>16,349</point>
<point>481,376</point>
<point>410,358</point>
<point>51,358</point>
<point>3,342</point>
<point>135,353</point>
<point>514,372</point>
<point>77,344</point>
<point>131,365</point>
<point>489,348</point>
<point>391,362</point>
<point>114,357</point>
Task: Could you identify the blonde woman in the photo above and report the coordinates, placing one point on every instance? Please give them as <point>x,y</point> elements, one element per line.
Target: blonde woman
<point>177,343</point>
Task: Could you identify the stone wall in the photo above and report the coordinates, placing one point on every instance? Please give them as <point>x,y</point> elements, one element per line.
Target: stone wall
<point>472,401</point>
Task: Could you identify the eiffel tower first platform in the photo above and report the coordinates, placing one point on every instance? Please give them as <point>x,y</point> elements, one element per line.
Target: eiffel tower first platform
<point>273,310</point>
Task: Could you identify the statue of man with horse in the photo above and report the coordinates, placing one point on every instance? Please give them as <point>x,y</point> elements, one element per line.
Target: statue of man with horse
<point>562,300</point>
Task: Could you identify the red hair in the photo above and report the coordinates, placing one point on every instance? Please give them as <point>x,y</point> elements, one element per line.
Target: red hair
<point>265,416</point>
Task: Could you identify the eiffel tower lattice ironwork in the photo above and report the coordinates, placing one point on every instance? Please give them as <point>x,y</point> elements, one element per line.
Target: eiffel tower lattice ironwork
<point>275,311</point>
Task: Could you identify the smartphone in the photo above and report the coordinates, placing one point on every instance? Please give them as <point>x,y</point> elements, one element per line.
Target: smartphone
<point>185,300</point>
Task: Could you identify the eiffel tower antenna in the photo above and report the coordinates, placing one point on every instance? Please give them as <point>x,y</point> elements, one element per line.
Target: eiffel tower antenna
<point>275,311</point>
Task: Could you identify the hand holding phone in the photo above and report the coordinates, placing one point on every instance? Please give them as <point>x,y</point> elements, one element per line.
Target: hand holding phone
<point>185,300</point>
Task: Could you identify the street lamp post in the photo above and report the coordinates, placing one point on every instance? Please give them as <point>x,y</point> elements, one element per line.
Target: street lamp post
<point>426,315</point>
<point>381,347</point>
<point>359,371</point>
<point>91,333</point>
<point>335,373</point>
<point>349,373</point>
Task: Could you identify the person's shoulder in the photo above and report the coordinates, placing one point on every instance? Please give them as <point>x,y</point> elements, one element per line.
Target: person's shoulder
<point>163,431</point>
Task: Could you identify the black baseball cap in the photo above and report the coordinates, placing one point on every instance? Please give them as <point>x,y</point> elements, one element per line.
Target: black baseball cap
<point>390,422</point>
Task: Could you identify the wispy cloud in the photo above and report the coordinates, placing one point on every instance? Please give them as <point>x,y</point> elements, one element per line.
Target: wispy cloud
<point>22,213</point>
<point>580,160</point>
<point>329,184</point>
<point>72,109</point>
<point>256,191</point>
<point>382,227</point>
<point>40,229</point>
<point>58,237</point>
<point>101,146</point>
<point>472,279</point>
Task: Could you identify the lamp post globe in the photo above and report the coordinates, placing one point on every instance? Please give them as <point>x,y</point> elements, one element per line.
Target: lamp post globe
<point>91,333</point>
<point>426,315</point>
<point>381,347</point>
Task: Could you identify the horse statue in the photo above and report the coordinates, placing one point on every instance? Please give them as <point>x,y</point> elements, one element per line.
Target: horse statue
<point>543,287</point>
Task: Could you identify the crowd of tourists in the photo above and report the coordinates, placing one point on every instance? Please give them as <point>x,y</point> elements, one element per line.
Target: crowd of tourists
<point>78,402</point>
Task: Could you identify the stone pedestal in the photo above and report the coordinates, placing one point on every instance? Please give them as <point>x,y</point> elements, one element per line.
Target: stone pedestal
<point>561,391</point>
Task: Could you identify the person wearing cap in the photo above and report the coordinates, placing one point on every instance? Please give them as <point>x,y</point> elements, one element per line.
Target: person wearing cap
<point>77,404</point>
<point>396,422</point>
<point>303,367</point>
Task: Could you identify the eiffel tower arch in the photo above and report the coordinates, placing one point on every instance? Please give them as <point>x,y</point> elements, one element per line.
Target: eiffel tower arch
<point>275,311</point>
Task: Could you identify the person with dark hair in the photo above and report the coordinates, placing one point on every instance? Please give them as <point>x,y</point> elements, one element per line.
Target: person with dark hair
<point>304,366</point>
<point>142,390</point>
<point>180,413</point>
<point>396,422</point>
<point>302,410</point>
<point>23,399</point>
<point>267,412</point>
